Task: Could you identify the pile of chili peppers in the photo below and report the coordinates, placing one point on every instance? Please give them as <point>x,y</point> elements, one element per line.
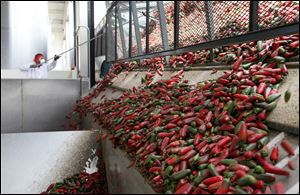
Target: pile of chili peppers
<point>82,183</point>
<point>205,138</point>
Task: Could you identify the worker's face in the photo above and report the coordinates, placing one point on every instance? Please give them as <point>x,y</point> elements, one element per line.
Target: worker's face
<point>42,61</point>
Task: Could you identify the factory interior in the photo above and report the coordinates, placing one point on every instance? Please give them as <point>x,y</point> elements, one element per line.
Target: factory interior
<point>147,97</point>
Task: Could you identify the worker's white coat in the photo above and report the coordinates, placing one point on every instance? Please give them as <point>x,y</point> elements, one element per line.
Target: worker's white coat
<point>40,72</point>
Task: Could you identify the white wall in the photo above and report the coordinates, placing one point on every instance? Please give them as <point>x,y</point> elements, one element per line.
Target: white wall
<point>24,27</point>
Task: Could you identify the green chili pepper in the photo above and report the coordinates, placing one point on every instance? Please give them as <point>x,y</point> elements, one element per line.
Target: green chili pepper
<point>264,152</point>
<point>193,124</point>
<point>229,174</point>
<point>198,108</point>
<point>247,91</point>
<point>238,190</point>
<point>202,166</point>
<point>265,177</point>
<point>273,97</point>
<point>228,161</point>
<point>287,95</point>
<point>212,170</point>
<point>250,163</point>
<point>257,110</point>
<point>168,170</point>
<point>234,90</point>
<point>259,169</point>
<point>247,66</point>
<point>180,174</point>
<point>251,146</point>
<point>246,180</point>
<point>229,106</point>
<point>189,141</point>
<point>263,141</point>
<point>279,59</point>
<point>200,177</point>
<point>192,130</point>
<point>128,112</point>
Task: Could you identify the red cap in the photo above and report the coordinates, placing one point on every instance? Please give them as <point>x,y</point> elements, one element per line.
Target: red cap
<point>38,57</point>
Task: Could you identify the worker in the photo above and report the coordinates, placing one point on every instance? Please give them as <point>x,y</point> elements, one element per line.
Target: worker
<point>40,68</point>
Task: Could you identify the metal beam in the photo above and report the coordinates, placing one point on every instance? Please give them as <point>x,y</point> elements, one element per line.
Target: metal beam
<point>253,16</point>
<point>136,28</point>
<point>147,27</point>
<point>130,30</point>
<point>116,33</point>
<point>210,25</point>
<point>176,24</point>
<point>122,35</point>
<point>163,25</point>
<point>92,43</point>
<point>251,36</point>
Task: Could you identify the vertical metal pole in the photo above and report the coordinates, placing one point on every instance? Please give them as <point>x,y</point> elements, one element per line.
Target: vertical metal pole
<point>176,24</point>
<point>253,16</point>
<point>116,32</point>
<point>210,25</point>
<point>75,37</point>
<point>136,28</point>
<point>106,38</point>
<point>91,43</point>
<point>147,27</point>
<point>122,35</point>
<point>163,25</point>
<point>130,29</point>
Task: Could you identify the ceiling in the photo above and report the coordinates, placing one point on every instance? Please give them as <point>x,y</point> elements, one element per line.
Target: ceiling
<point>57,14</point>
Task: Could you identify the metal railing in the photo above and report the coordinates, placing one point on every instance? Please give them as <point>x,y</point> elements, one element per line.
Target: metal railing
<point>144,29</point>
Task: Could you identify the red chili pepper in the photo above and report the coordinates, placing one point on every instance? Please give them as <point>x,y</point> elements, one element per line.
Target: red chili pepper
<point>224,188</point>
<point>197,139</point>
<point>172,160</point>
<point>184,189</point>
<point>164,143</point>
<point>214,186</point>
<point>212,180</point>
<point>291,165</point>
<point>235,167</point>
<point>184,150</point>
<point>188,155</point>
<point>224,141</point>
<point>237,63</point>
<point>240,173</point>
<point>201,145</point>
<point>287,147</point>
<point>261,88</point>
<point>183,165</point>
<point>154,169</point>
<point>255,137</point>
<point>294,44</point>
<point>269,168</point>
<point>243,133</point>
<point>240,96</point>
<point>279,188</point>
<point>157,178</point>
<point>259,184</point>
<point>209,116</point>
<point>226,127</point>
<point>274,154</point>
<point>268,190</point>
<point>248,154</point>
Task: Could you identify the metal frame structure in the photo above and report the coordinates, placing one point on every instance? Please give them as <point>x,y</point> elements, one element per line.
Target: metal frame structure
<point>251,35</point>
